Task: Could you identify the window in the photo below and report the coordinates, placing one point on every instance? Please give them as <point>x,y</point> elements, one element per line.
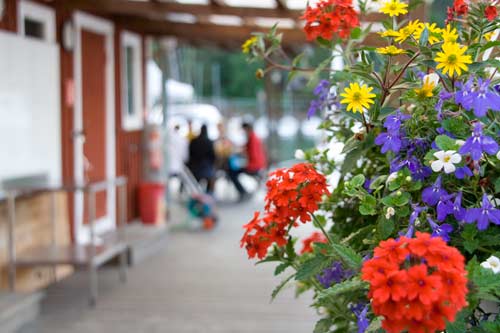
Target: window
<point>36,21</point>
<point>131,68</point>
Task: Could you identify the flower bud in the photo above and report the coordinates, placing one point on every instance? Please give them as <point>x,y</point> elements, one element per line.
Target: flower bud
<point>390,212</point>
<point>259,74</point>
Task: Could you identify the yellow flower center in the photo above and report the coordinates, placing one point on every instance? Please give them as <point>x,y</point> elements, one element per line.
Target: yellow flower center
<point>452,59</point>
<point>446,159</point>
<point>356,97</point>
<point>393,6</point>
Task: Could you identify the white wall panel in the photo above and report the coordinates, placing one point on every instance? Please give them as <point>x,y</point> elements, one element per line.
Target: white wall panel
<point>30,131</point>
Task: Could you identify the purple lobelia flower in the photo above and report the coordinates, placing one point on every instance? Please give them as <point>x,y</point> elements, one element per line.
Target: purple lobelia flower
<point>443,96</point>
<point>417,169</point>
<point>442,230</point>
<point>334,274</point>
<point>393,121</point>
<point>325,98</point>
<point>444,207</point>
<point>432,194</point>
<point>464,95</point>
<point>390,141</point>
<point>462,172</point>
<point>458,210</point>
<point>479,143</point>
<point>361,312</point>
<point>484,215</point>
<point>484,98</point>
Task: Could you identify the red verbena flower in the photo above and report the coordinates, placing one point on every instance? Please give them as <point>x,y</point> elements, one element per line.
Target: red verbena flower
<point>315,237</point>
<point>329,18</point>
<point>293,195</point>
<point>416,284</point>
<point>490,12</point>
<point>460,7</point>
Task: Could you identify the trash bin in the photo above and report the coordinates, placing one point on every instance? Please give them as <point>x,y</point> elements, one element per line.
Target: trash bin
<point>151,203</point>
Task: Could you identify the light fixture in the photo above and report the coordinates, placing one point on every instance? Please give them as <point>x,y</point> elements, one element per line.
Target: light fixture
<point>2,8</point>
<point>68,35</point>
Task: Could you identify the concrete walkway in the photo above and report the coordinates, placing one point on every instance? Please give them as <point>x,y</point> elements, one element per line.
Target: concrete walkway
<point>201,283</point>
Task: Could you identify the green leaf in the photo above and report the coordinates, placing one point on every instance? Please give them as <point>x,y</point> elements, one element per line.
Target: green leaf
<point>357,181</point>
<point>444,142</point>
<point>348,286</point>
<point>311,267</point>
<point>280,287</point>
<point>323,326</point>
<point>375,325</point>
<point>356,33</point>
<point>281,268</point>
<point>347,255</point>
<point>385,228</point>
<point>459,325</point>
<point>497,185</point>
<point>424,37</point>
<point>368,205</point>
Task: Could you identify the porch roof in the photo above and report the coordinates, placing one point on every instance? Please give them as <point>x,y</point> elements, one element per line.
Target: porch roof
<point>223,22</point>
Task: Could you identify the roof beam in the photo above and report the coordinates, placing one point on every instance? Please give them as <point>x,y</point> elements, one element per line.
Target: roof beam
<point>156,8</point>
<point>204,31</point>
<point>281,4</point>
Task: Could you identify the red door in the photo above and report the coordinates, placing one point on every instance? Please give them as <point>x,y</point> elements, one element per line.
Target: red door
<point>94,114</point>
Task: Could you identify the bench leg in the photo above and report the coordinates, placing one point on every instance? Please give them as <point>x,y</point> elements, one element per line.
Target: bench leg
<point>123,266</point>
<point>93,287</point>
<point>12,278</point>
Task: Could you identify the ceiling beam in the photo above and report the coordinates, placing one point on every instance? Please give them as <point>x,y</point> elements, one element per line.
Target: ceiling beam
<point>204,31</point>
<point>155,8</point>
<point>281,4</point>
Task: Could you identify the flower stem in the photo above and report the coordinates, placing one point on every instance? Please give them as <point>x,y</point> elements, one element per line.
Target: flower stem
<point>316,221</point>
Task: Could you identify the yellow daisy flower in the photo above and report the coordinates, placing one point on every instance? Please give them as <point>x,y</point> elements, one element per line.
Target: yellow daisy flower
<point>426,89</point>
<point>407,31</point>
<point>435,33</point>
<point>247,45</point>
<point>390,50</point>
<point>389,33</point>
<point>358,98</point>
<point>449,34</point>
<point>394,8</point>
<point>452,59</point>
<point>488,36</point>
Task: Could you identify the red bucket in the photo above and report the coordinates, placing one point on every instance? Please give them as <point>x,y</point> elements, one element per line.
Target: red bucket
<point>151,198</point>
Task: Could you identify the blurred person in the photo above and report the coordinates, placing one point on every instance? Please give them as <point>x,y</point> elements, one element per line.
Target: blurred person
<point>223,149</point>
<point>202,159</point>
<point>177,150</point>
<point>256,160</point>
<point>191,135</point>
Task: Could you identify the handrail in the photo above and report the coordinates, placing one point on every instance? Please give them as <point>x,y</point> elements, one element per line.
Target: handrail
<point>119,183</point>
<point>89,187</point>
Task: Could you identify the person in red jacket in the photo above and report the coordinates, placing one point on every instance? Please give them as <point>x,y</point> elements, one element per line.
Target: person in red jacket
<point>256,160</point>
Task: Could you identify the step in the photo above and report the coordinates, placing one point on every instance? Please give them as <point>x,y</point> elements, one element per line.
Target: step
<point>17,310</point>
<point>144,241</point>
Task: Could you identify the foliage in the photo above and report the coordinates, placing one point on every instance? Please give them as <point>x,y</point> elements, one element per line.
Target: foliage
<point>419,121</point>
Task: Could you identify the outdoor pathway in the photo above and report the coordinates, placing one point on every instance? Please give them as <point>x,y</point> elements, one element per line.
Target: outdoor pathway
<point>201,283</point>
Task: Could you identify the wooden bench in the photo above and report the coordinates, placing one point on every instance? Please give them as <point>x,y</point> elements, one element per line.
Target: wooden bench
<point>89,256</point>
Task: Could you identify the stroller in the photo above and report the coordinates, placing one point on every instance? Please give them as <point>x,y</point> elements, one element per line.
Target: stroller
<point>200,205</point>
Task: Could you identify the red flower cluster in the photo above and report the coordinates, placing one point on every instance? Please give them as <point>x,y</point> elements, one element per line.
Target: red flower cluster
<point>490,13</point>
<point>293,194</point>
<point>459,8</point>
<point>416,283</point>
<point>315,237</point>
<point>330,17</point>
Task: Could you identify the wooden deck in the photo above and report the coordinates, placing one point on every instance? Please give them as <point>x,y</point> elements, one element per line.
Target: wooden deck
<point>201,282</point>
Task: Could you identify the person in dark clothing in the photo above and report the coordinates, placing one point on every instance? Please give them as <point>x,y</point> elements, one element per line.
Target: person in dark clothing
<point>256,160</point>
<point>202,159</point>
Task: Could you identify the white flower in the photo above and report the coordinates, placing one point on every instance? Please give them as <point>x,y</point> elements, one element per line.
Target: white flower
<point>446,160</point>
<point>498,155</point>
<point>432,78</point>
<point>390,212</point>
<point>299,154</point>
<point>492,263</point>
<point>460,142</point>
<point>392,177</point>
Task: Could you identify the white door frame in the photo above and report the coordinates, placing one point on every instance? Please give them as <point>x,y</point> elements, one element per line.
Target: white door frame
<point>104,27</point>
